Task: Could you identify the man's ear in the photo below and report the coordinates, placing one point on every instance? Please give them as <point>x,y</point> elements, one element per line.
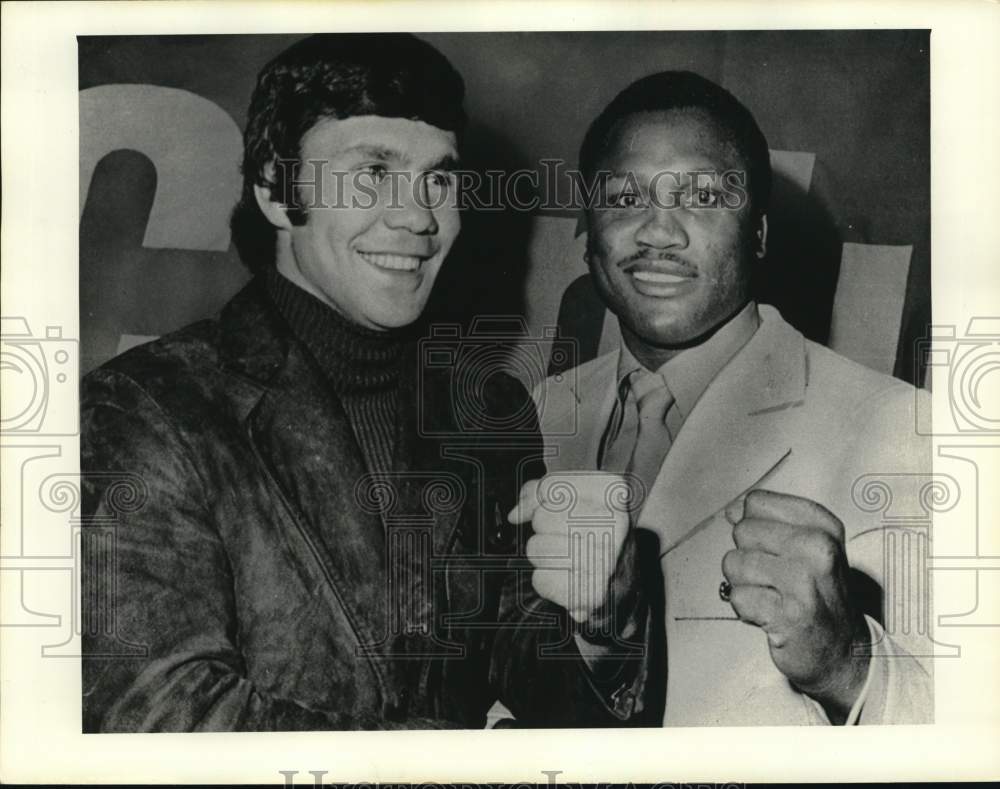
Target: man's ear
<point>762,237</point>
<point>276,213</point>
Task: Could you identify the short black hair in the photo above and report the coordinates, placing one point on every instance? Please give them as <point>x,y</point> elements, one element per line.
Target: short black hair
<point>680,90</point>
<point>334,75</point>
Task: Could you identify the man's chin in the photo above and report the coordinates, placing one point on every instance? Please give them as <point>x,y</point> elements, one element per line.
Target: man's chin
<point>673,335</point>
<point>395,320</point>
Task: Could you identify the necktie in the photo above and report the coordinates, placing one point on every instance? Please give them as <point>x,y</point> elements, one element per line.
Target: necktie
<point>653,438</point>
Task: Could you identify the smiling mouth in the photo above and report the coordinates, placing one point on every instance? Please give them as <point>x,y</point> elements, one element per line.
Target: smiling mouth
<point>393,262</point>
<point>659,277</point>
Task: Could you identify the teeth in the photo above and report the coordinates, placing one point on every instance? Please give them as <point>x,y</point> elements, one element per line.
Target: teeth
<point>658,277</point>
<point>393,262</point>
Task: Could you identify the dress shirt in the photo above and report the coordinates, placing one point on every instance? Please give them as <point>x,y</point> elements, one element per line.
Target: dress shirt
<point>689,374</point>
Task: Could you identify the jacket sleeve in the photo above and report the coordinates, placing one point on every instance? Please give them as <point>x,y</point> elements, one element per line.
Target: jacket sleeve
<point>541,674</point>
<point>161,640</point>
<point>889,476</point>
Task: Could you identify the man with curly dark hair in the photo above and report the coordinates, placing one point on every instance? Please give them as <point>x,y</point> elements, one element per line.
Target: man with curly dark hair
<point>302,551</point>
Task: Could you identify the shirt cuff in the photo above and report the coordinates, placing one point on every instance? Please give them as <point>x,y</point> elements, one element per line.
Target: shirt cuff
<point>853,717</point>
<point>873,637</point>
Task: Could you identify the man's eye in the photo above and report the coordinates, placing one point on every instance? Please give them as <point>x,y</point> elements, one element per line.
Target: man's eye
<point>374,172</point>
<point>436,184</point>
<point>704,198</point>
<point>439,178</point>
<point>626,200</point>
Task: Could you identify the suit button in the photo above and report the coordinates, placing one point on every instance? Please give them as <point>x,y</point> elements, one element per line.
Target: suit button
<point>623,702</point>
<point>498,536</point>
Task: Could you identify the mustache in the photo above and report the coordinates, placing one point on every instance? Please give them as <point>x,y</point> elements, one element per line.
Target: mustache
<point>653,256</point>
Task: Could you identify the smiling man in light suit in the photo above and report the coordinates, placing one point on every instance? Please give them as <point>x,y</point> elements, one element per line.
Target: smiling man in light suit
<point>740,543</point>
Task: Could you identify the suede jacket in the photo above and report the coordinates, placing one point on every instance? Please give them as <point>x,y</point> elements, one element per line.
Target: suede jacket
<point>243,571</point>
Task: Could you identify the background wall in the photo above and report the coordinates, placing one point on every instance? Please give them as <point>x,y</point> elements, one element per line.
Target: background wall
<point>846,114</point>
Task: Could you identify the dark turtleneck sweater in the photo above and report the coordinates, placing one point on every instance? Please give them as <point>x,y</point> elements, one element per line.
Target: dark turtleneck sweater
<point>361,365</point>
<point>363,368</point>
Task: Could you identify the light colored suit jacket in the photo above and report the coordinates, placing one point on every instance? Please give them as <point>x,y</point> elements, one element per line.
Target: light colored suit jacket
<point>791,416</point>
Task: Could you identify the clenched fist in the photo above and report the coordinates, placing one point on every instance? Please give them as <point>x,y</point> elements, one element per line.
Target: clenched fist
<point>580,520</point>
<point>789,576</point>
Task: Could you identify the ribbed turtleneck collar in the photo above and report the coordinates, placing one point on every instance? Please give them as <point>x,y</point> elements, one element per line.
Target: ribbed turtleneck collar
<point>357,360</point>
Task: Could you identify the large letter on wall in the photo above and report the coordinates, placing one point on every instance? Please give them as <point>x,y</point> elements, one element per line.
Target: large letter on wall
<point>194,145</point>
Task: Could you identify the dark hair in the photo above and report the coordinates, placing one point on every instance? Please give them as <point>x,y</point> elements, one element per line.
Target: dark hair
<point>334,75</point>
<point>678,90</point>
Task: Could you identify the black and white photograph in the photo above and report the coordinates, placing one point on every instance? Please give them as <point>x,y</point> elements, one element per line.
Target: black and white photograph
<point>453,381</point>
<point>326,464</point>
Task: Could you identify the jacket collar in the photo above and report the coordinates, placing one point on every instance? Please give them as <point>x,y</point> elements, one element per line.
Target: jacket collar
<point>254,339</point>
<point>738,431</point>
<point>306,445</point>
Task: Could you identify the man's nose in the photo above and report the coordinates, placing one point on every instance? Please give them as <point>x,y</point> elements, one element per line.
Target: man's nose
<point>662,228</point>
<point>411,208</point>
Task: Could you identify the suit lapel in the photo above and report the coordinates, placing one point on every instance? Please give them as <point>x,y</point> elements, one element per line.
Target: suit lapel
<point>735,435</point>
<point>308,451</point>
